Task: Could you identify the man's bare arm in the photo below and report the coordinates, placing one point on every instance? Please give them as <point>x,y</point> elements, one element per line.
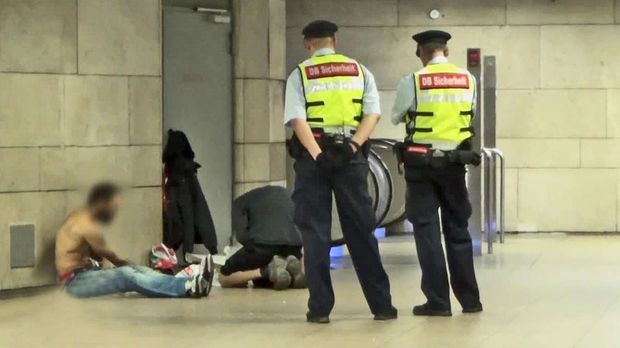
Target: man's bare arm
<point>304,134</point>
<point>369,122</point>
<point>100,248</point>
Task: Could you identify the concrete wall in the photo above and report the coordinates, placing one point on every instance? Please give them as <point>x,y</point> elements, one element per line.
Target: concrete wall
<point>80,90</point>
<point>558,99</point>
<point>259,74</point>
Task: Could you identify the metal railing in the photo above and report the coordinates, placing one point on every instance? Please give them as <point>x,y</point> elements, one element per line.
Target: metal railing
<point>489,188</point>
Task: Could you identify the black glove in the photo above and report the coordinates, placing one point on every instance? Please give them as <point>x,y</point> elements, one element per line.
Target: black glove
<point>336,155</point>
<point>470,157</point>
<point>348,151</point>
<point>324,164</point>
<point>341,153</point>
<point>477,159</point>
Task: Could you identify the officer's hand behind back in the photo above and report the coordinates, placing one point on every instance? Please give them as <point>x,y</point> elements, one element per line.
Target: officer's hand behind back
<point>340,154</point>
<point>477,159</point>
<point>323,164</point>
<point>471,157</point>
<point>349,150</point>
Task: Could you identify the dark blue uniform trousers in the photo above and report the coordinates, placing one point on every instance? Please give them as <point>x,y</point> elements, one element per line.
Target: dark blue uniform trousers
<point>427,190</point>
<point>313,216</point>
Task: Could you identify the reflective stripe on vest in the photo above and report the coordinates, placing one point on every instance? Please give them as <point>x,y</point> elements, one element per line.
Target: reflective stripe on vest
<point>334,90</point>
<point>444,99</point>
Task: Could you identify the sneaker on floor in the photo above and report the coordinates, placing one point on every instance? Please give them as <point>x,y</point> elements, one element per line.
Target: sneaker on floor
<point>278,274</point>
<point>207,270</point>
<point>293,266</point>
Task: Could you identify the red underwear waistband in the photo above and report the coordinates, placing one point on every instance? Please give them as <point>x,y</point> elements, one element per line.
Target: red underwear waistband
<point>63,278</point>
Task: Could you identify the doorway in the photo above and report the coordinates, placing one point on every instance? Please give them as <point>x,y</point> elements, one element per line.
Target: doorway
<point>197,99</point>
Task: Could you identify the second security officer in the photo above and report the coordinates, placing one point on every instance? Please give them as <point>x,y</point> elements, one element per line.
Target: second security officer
<point>437,105</point>
<point>332,104</point>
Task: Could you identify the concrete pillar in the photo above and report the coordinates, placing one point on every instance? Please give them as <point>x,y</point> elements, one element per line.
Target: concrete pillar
<point>259,73</point>
<point>80,89</point>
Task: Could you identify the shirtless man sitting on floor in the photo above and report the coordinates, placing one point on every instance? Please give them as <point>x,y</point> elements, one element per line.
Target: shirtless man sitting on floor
<point>81,246</point>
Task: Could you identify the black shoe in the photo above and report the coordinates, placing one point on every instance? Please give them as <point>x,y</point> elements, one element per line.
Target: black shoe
<point>317,319</point>
<point>428,310</point>
<point>474,309</point>
<point>207,270</point>
<point>390,314</point>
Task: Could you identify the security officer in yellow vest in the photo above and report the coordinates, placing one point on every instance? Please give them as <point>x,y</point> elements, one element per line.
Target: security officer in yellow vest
<point>437,103</point>
<point>332,104</point>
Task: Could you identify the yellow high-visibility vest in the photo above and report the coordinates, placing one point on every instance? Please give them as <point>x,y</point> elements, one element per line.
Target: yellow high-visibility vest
<point>444,98</point>
<point>334,90</point>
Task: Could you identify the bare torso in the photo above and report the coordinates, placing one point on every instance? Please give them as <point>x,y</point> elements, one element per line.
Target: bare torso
<point>72,250</point>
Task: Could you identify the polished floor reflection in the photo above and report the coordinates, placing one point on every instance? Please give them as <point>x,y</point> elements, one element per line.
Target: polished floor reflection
<point>546,290</point>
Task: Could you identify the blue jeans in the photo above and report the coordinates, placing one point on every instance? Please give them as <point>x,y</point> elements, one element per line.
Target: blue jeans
<point>99,282</point>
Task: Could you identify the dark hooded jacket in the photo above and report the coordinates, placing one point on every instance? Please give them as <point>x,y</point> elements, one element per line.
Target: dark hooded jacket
<point>187,218</point>
<point>265,216</point>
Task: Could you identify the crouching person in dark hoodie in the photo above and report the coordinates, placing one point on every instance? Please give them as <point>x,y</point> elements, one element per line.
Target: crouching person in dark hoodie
<point>271,252</point>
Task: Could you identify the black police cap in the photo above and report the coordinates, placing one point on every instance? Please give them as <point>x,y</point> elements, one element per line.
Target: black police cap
<point>430,36</point>
<point>319,29</point>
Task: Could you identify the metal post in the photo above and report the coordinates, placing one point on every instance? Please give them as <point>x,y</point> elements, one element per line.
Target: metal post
<point>489,143</point>
<point>491,227</point>
<point>474,173</point>
<point>489,192</point>
<point>489,108</point>
<point>502,190</point>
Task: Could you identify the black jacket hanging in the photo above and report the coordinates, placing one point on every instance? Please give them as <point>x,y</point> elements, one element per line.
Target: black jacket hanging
<point>187,218</point>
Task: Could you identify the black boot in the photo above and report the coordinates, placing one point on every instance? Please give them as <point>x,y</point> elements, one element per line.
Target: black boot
<point>431,311</point>
<point>474,309</point>
<point>317,319</point>
<point>390,314</point>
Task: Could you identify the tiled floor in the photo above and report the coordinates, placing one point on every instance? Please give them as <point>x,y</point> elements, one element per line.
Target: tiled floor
<point>538,291</point>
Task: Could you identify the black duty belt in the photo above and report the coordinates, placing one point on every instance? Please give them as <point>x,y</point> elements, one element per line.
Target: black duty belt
<point>419,155</point>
